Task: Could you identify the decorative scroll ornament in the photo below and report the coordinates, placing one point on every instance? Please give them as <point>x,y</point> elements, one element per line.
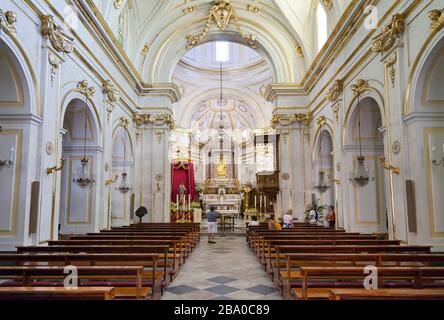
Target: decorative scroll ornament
<point>8,19</point>
<point>89,92</point>
<point>334,92</point>
<point>386,39</point>
<point>158,119</point>
<point>304,118</point>
<point>360,86</point>
<point>112,94</point>
<point>222,13</point>
<point>335,110</point>
<point>321,121</point>
<point>124,122</point>
<point>437,17</point>
<point>390,63</point>
<point>60,41</point>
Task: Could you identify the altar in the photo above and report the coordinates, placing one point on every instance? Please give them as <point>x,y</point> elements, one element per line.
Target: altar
<point>228,204</point>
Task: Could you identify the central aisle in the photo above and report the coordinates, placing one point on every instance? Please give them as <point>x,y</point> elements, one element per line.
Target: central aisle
<point>227,270</point>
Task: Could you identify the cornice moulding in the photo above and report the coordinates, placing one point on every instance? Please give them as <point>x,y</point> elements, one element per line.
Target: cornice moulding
<point>282,89</point>
<point>161,89</point>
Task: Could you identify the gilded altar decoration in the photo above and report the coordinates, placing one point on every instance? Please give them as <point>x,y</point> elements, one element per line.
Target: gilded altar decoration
<point>8,19</point>
<point>83,88</point>
<point>386,39</point>
<point>360,86</point>
<point>222,13</point>
<point>156,119</point>
<point>437,18</point>
<point>60,41</point>
<point>335,91</point>
<point>112,94</point>
<point>304,118</point>
<point>222,169</point>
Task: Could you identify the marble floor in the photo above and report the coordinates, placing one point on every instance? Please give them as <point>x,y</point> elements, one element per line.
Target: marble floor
<point>227,270</point>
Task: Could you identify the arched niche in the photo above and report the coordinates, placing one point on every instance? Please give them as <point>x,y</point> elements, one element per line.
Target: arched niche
<point>425,127</point>
<point>323,161</point>
<point>366,203</point>
<point>78,203</point>
<point>122,163</point>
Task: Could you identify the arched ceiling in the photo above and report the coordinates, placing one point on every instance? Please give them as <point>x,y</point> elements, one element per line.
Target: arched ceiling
<point>161,27</point>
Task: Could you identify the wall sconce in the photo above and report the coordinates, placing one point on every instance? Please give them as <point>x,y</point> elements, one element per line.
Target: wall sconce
<point>436,162</point>
<point>56,168</point>
<point>111,181</point>
<point>389,167</point>
<point>8,163</point>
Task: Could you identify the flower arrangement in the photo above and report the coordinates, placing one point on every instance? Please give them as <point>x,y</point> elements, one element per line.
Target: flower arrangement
<point>200,188</point>
<point>195,205</point>
<point>173,207</point>
<point>183,220</point>
<point>251,211</point>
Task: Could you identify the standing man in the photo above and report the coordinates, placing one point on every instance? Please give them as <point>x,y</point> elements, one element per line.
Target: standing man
<point>212,216</point>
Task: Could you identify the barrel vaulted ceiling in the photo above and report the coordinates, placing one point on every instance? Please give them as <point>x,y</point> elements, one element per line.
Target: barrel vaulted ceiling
<point>156,31</point>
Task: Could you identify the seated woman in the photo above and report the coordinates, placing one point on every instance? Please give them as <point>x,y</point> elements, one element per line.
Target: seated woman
<point>331,216</point>
<point>288,219</point>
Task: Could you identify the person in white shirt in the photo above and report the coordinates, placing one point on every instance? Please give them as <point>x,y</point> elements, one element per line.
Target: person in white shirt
<point>288,219</point>
<point>253,222</point>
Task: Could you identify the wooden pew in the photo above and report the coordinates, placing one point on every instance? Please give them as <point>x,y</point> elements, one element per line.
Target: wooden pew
<point>419,277</point>
<point>386,294</point>
<point>57,293</point>
<point>297,260</point>
<point>92,259</point>
<point>25,276</point>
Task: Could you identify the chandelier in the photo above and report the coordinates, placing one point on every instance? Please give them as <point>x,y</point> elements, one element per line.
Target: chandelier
<point>83,177</point>
<point>322,184</point>
<point>123,187</point>
<point>360,175</point>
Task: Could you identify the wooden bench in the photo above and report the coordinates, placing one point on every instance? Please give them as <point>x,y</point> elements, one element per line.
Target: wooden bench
<point>417,277</point>
<point>57,293</point>
<point>297,260</point>
<point>25,276</point>
<point>93,259</point>
<point>386,294</point>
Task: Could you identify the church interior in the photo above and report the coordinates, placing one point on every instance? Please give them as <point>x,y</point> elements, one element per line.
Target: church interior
<point>305,138</point>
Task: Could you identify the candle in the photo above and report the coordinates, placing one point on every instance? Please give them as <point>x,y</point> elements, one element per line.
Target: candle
<point>443,148</point>
<point>433,152</point>
<point>255,201</point>
<point>260,202</point>
<point>189,201</point>
<point>177,201</point>
<point>12,154</point>
<point>265,203</point>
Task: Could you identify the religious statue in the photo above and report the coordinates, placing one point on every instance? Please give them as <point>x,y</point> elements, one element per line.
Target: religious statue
<point>182,190</point>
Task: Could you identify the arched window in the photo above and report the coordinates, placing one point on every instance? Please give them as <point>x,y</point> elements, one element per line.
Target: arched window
<point>322,25</point>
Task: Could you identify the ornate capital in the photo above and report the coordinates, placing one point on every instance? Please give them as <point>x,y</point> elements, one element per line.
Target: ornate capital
<point>60,41</point>
<point>360,86</point>
<point>112,94</point>
<point>8,19</point>
<point>386,39</point>
<point>156,119</point>
<point>335,91</point>
<point>89,92</point>
<point>437,18</point>
<point>285,120</point>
